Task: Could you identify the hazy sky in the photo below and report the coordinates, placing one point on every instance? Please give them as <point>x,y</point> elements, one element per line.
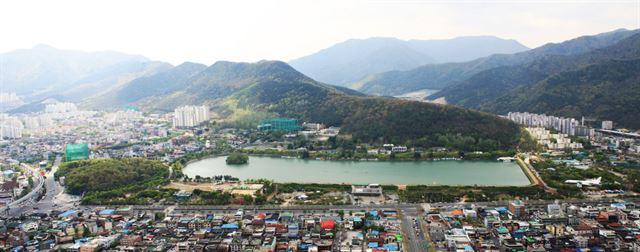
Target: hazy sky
<point>207,31</point>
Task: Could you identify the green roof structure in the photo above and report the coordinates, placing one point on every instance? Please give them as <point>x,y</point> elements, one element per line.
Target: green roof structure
<point>280,124</point>
<point>76,152</point>
<point>502,230</point>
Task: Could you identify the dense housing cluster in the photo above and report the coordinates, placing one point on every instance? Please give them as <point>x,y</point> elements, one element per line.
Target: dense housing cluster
<point>159,229</point>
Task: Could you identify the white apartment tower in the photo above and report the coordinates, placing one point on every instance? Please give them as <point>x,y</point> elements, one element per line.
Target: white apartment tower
<point>60,107</point>
<point>10,127</point>
<point>607,125</point>
<point>190,116</point>
<point>561,124</point>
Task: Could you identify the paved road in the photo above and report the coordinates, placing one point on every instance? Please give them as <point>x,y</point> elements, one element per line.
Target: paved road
<point>312,208</point>
<point>65,201</point>
<point>412,229</point>
<point>54,190</point>
<point>538,177</point>
<point>53,199</point>
<point>18,206</point>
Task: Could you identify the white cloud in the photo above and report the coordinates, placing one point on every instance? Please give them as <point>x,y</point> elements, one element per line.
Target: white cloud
<point>206,31</point>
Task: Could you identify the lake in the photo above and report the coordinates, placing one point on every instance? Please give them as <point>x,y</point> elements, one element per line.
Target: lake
<point>365,172</point>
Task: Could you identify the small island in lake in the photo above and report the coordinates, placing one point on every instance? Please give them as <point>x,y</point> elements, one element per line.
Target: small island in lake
<point>237,158</point>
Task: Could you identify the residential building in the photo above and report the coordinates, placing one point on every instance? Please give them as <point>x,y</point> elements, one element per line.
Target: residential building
<point>517,208</point>
<point>60,107</point>
<point>190,116</point>
<point>10,127</point>
<point>366,190</point>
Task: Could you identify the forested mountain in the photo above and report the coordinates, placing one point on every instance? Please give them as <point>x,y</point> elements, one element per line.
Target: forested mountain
<point>490,84</point>
<point>44,71</point>
<point>109,79</point>
<point>157,84</point>
<point>354,59</point>
<point>586,84</point>
<point>380,119</point>
<point>607,91</point>
<point>248,92</point>
<point>222,79</point>
<point>163,82</point>
<point>439,76</point>
<point>35,106</point>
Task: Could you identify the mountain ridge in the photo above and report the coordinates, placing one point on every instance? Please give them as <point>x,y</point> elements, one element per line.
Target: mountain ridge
<point>42,71</point>
<point>353,59</point>
<point>439,76</point>
<point>245,93</point>
<point>528,87</point>
<point>376,119</point>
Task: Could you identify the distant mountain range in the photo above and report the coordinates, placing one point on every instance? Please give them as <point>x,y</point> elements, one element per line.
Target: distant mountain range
<point>352,60</point>
<point>601,83</point>
<point>199,84</point>
<point>44,71</point>
<point>558,79</point>
<point>609,90</point>
<point>158,84</point>
<point>439,76</point>
<point>594,76</point>
<point>604,84</point>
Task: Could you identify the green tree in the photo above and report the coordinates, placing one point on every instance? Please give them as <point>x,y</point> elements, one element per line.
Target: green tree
<point>237,158</point>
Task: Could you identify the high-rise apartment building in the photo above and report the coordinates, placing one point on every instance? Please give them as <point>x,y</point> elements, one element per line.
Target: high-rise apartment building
<point>190,116</point>
<point>607,125</point>
<point>564,125</point>
<point>60,107</point>
<point>10,127</point>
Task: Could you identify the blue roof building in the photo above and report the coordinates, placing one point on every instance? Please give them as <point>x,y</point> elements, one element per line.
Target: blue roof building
<point>390,247</point>
<point>106,212</point>
<point>230,226</point>
<point>67,213</point>
<point>501,210</point>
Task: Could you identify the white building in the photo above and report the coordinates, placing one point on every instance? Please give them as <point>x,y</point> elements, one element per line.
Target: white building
<point>9,101</point>
<point>38,121</point>
<point>312,126</point>
<point>60,107</point>
<point>190,116</point>
<point>10,127</point>
<point>607,125</point>
<point>31,122</point>
<point>399,149</point>
<point>569,126</point>
<point>457,239</point>
<point>329,132</point>
<point>554,209</point>
<point>122,116</point>
<point>8,97</point>
<point>560,141</point>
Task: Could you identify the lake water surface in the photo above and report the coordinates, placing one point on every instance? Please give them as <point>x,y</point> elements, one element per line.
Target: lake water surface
<point>365,172</point>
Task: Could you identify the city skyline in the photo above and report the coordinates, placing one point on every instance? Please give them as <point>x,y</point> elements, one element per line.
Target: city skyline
<point>249,125</point>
